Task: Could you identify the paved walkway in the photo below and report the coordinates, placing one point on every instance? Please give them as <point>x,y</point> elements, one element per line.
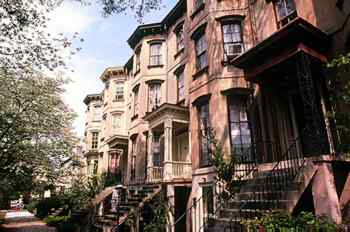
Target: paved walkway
<point>23,221</point>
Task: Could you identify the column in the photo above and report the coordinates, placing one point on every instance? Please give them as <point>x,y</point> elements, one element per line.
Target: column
<point>168,149</point>
<point>324,193</point>
<point>150,155</point>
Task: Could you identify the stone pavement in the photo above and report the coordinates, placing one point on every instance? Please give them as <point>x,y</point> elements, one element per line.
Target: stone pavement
<point>23,221</point>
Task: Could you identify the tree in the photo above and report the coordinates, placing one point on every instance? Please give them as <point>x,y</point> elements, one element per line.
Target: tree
<point>35,131</point>
<point>338,85</point>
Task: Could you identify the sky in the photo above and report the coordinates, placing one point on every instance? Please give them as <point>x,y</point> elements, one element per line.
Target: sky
<point>104,46</point>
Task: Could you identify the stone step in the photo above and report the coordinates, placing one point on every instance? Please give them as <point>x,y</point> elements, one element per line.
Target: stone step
<point>236,214</point>
<point>256,204</point>
<point>272,195</point>
<point>256,187</point>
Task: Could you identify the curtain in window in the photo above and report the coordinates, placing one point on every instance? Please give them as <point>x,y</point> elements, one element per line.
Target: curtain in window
<point>239,125</point>
<point>205,134</point>
<point>154,96</point>
<point>180,86</point>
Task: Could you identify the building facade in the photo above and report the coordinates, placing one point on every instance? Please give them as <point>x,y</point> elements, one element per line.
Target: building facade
<point>247,76</point>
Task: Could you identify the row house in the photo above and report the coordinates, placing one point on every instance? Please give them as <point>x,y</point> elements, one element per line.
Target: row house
<point>245,75</point>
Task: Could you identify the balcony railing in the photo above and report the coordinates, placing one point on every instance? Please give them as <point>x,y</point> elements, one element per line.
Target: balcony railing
<point>181,169</point>
<point>155,174</point>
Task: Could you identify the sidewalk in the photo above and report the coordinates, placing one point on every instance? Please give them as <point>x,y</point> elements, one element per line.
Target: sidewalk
<point>23,221</point>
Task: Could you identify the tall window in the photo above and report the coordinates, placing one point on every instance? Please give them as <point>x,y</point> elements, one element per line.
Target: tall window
<point>232,38</point>
<point>94,140</point>
<point>286,11</point>
<point>180,41</point>
<point>156,151</point>
<point>137,60</point>
<point>239,126</point>
<point>208,200</point>
<point>204,125</point>
<point>119,92</point>
<point>155,54</point>
<point>95,168</point>
<point>116,121</point>
<point>180,86</point>
<point>154,96</point>
<point>201,52</point>
<point>133,159</point>
<point>136,101</point>
<point>97,113</point>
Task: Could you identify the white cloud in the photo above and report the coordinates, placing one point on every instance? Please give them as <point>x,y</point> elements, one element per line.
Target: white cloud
<point>71,17</point>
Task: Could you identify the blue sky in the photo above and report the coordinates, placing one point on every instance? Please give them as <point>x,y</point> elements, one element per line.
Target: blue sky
<point>104,45</point>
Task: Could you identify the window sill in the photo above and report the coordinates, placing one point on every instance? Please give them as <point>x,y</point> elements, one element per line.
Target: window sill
<point>118,100</point>
<point>200,72</point>
<point>197,10</point>
<point>155,66</point>
<point>134,117</point>
<point>179,53</point>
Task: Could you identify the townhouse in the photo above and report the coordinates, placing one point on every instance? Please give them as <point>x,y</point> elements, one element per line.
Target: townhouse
<point>247,74</point>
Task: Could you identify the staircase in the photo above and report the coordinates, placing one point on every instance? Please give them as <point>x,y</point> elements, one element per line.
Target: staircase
<point>265,188</point>
<point>134,199</point>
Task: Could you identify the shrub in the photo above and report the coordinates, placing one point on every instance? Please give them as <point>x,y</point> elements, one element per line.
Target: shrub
<point>55,220</point>
<point>45,206</point>
<point>31,206</point>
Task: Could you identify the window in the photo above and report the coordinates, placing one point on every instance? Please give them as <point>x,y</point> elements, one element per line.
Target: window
<point>119,92</point>
<point>232,38</point>
<point>94,140</point>
<point>201,52</point>
<point>133,159</point>
<point>180,86</point>
<point>180,40</point>
<point>95,167</point>
<point>155,54</point>
<point>97,113</point>
<point>116,121</point>
<point>154,96</point>
<point>137,60</point>
<point>156,151</point>
<point>239,126</point>
<point>136,101</point>
<point>286,11</point>
<point>205,140</point>
<point>208,200</point>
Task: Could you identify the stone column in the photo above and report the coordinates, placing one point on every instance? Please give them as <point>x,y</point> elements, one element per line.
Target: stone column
<point>171,203</point>
<point>324,193</point>
<point>168,149</point>
<point>150,155</point>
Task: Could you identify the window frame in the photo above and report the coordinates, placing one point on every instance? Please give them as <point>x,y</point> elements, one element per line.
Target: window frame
<point>180,37</point>
<point>204,135</point>
<point>200,65</point>
<point>158,56</point>
<point>94,139</point>
<point>135,101</point>
<point>137,60</point>
<point>281,22</point>
<point>120,96</point>
<point>242,100</point>
<point>231,21</point>
<point>181,74</point>
<point>114,123</point>
<point>156,98</point>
